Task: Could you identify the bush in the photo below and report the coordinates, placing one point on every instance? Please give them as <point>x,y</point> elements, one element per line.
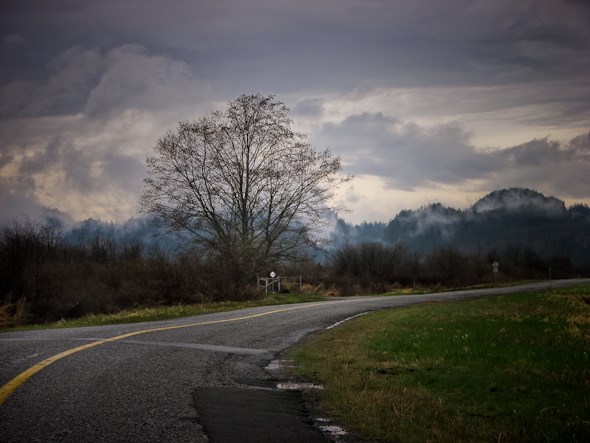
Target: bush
<point>14,313</point>
<point>45,278</point>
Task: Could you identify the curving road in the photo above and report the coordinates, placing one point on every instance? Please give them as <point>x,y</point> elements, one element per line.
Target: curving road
<point>194,379</point>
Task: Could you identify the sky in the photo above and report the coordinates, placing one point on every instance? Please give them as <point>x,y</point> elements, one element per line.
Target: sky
<point>424,100</point>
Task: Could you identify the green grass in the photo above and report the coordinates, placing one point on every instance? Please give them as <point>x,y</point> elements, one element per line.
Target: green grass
<point>505,368</point>
<point>168,312</point>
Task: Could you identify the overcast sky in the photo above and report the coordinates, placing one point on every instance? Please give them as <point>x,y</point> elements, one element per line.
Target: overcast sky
<point>424,100</point>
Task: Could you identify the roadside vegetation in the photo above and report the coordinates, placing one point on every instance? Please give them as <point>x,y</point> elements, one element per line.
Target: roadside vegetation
<point>156,313</point>
<point>503,368</point>
<point>50,275</point>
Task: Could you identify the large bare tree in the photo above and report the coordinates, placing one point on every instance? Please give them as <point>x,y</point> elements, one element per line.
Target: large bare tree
<point>246,187</point>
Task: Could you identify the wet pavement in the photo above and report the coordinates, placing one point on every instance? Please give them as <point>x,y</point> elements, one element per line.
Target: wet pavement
<point>257,415</point>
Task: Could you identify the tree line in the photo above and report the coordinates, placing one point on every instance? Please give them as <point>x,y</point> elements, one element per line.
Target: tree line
<point>508,219</point>
<point>43,270</point>
<point>48,273</point>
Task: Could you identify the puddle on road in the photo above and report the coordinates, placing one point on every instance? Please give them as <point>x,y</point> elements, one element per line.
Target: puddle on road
<point>332,430</point>
<point>277,365</point>
<point>292,386</point>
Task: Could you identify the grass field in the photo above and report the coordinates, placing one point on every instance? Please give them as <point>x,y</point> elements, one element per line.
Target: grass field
<point>504,368</point>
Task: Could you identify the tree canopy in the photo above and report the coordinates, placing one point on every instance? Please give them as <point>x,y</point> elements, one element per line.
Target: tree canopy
<point>246,187</point>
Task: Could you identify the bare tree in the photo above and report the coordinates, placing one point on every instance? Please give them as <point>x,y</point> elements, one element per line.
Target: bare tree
<point>244,185</point>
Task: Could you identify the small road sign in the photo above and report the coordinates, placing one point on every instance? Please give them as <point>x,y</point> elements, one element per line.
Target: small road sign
<point>495,266</point>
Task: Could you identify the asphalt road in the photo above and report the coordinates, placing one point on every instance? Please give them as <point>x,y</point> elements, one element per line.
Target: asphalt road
<point>194,379</point>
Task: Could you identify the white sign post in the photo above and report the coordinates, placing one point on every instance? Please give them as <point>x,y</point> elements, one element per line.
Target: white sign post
<point>278,281</point>
<point>495,266</point>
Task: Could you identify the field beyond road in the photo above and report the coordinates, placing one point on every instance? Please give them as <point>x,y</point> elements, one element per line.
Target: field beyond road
<point>502,368</point>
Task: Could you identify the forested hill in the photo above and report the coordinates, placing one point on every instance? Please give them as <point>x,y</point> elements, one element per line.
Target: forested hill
<point>518,219</point>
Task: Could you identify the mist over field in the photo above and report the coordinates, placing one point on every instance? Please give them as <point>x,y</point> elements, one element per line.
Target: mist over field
<point>514,218</point>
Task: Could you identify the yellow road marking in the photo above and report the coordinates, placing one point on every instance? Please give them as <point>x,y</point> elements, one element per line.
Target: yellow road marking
<point>17,381</point>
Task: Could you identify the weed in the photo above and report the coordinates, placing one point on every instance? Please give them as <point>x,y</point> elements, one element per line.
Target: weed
<point>14,313</point>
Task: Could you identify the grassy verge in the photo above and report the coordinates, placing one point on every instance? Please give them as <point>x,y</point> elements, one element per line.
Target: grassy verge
<point>168,312</point>
<point>14,313</point>
<point>506,368</point>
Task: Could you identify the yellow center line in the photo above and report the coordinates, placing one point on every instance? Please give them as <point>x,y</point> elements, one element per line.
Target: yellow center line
<point>17,381</point>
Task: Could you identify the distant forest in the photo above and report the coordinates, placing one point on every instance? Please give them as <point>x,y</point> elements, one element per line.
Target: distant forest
<point>49,270</point>
<point>519,220</point>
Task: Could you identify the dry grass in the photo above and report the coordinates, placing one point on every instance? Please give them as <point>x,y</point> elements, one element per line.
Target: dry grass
<point>159,312</point>
<point>13,313</point>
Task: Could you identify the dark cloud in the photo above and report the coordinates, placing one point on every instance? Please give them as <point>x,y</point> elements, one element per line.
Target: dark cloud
<point>70,76</point>
<point>12,41</point>
<point>85,129</point>
<point>408,156</point>
<point>329,44</point>
<point>17,199</point>
<point>96,83</point>
<point>310,107</point>
<point>125,171</point>
<point>557,168</point>
<point>399,89</point>
<point>138,80</point>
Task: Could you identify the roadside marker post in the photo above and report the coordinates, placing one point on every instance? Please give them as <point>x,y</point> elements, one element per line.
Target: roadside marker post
<point>495,267</point>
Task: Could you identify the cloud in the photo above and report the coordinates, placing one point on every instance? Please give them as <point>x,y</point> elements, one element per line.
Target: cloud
<point>134,79</point>
<point>424,97</point>
<point>331,45</point>
<point>408,156</point>
<point>12,41</point>
<point>554,168</point>
<point>81,80</point>
<point>309,107</point>
<point>64,90</point>
<point>85,130</point>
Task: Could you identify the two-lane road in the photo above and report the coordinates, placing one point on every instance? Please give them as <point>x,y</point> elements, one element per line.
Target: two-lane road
<point>193,379</point>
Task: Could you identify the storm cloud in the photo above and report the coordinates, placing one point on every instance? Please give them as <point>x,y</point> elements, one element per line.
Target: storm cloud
<point>407,156</point>
<point>77,139</point>
<point>421,99</point>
